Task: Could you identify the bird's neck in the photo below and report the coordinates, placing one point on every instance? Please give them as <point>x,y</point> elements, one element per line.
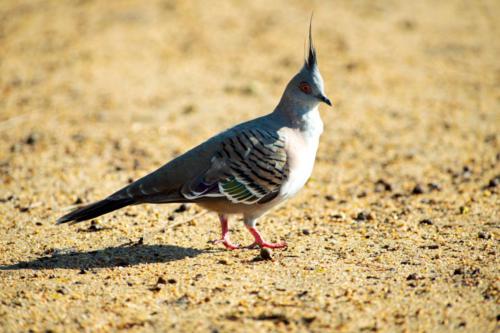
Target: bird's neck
<point>304,117</point>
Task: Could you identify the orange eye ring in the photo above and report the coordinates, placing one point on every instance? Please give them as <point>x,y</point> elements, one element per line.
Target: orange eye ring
<point>305,88</point>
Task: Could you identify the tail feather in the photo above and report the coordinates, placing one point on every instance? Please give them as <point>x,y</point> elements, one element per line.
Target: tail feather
<point>94,210</point>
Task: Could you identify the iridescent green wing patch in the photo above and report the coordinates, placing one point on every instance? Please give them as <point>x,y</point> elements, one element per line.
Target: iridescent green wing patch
<point>237,191</point>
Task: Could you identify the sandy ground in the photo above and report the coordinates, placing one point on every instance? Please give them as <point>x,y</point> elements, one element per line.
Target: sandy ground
<point>396,231</point>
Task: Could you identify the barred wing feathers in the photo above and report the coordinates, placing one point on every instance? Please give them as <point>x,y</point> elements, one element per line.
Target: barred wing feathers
<point>249,167</point>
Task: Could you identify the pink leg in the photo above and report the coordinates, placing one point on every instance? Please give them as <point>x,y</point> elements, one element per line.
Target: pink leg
<point>261,242</point>
<point>225,233</point>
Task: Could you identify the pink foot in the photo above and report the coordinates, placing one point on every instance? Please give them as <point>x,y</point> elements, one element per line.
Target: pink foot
<point>225,234</point>
<point>259,241</point>
<point>226,243</point>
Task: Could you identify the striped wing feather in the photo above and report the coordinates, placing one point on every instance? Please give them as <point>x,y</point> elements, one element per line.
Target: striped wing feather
<point>250,167</point>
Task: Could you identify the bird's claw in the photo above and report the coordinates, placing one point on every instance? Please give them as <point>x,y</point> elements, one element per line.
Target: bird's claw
<point>227,244</point>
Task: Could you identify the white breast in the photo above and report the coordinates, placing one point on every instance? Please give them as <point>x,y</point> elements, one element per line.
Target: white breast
<point>302,145</point>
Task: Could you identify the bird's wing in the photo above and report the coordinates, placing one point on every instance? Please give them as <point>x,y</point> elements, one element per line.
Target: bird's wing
<point>247,163</point>
<point>249,166</point>
<point>164,184</point>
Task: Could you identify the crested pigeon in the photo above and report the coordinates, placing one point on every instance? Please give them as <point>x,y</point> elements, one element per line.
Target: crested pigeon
<point>247,169</point>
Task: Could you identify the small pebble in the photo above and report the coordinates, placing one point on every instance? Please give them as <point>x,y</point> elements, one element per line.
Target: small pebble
<point>382,186</point>
<point>412,276</point>
<point>337,216</point>
<point>32,139</point>
<point>466,172</point>
<point>62,291</point>
<point>417,190</point>
<point>8,198</point>
<point>266,254</point>
<point>364,216</point>
<point>276,318</point>
<point>329,197</point>
<point>483,235</point>
<point>397,195</point>
<point>181,209</point>
<point>426,222</point>
<point>494,182</point>
<point>306,232</point>
<point>362,194</point>
<point>434,187</point>
<point>23,209</point>
<point>183,300</point>
<point>94,227</point>
<point>308,320</point>
<point>155,289</point>
<point>428,201</point>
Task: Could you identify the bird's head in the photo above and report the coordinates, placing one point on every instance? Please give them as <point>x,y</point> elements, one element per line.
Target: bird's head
<point>306,87</point>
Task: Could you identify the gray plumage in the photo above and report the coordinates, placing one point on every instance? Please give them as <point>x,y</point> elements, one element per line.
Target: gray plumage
<point>247,169</point>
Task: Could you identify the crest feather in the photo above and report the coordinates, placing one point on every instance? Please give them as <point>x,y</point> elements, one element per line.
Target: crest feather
<point>311,61</point>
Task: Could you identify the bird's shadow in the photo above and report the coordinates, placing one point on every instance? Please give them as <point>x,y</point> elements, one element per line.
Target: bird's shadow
<point>121,256</point>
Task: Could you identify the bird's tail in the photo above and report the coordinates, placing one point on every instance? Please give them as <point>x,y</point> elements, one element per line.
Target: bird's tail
<point>95,209</point>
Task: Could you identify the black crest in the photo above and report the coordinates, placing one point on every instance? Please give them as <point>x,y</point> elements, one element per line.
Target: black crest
<point>311,61</point>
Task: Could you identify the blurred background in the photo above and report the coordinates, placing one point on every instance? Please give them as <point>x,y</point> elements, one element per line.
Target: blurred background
<point>84,77</point>
<point>94,94</point>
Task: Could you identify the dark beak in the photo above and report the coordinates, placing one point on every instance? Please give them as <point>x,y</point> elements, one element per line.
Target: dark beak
<point>325,99</point>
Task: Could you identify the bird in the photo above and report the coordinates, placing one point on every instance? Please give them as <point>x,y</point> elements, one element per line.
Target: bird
<point>245,170</point>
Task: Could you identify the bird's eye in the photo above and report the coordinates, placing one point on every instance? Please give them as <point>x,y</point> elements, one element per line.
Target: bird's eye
<point>305,88</point>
